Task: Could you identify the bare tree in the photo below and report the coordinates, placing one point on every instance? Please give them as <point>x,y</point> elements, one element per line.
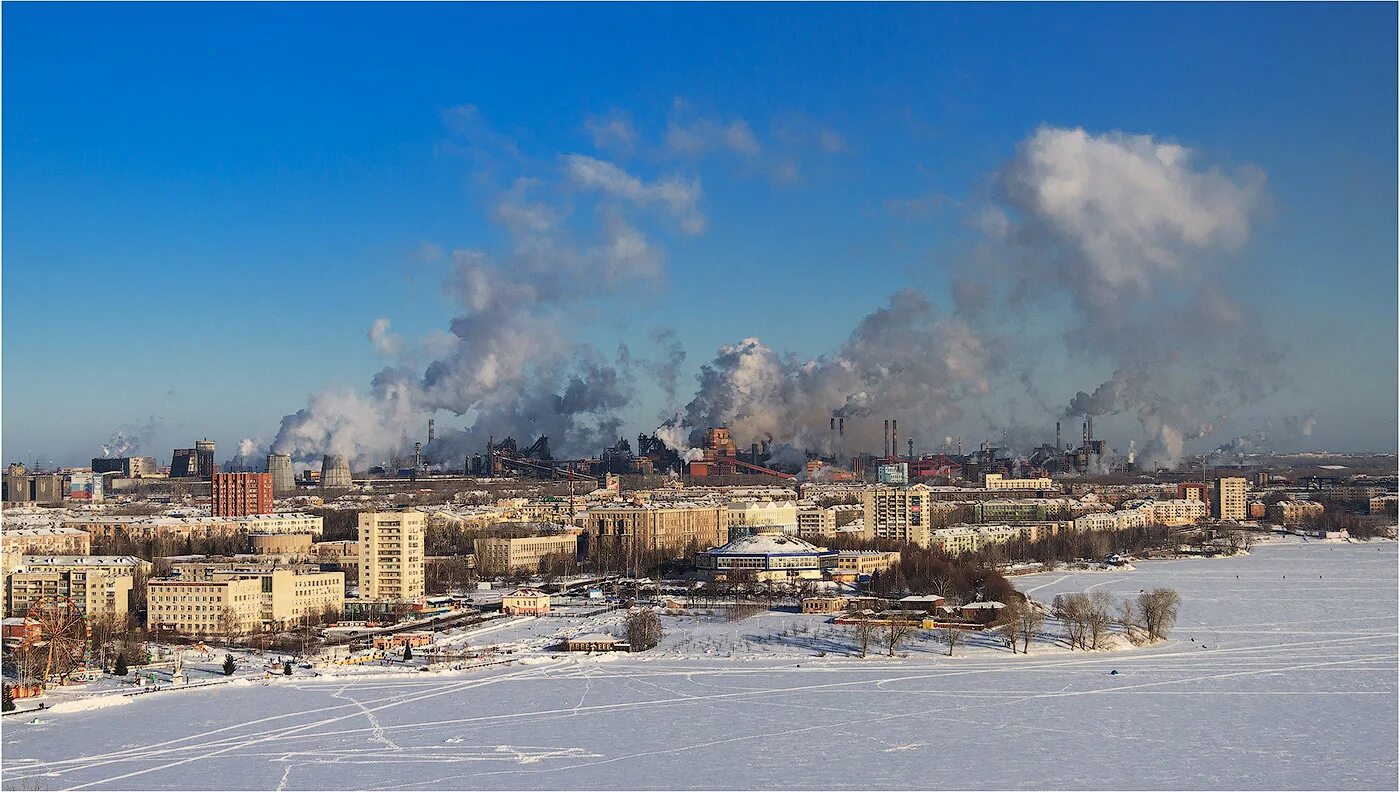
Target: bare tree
<point>1070,610</point>
<point>1008,623</point>
<point>865,632</point>
<point>1031,620</point>
<point>1128,618</point>
<point>229,625</point>
<point>1098,617</point>
<point>1159,610</point>
<point>896,631</point>
<point>952,636</point>
<point>643,629</point>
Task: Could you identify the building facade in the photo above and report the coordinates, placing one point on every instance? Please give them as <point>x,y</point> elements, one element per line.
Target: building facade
<point>499,555</point>
<point>897,513</point>
<point>241,494</point>
<point>391,555</point>
<point>653,528</point>
<point>1231,498</point>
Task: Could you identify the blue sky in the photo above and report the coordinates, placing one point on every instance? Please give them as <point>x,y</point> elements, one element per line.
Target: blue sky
<point>205,206</point>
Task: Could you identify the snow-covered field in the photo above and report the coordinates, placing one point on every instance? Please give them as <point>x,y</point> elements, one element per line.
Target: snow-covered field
<point>1280,674</point>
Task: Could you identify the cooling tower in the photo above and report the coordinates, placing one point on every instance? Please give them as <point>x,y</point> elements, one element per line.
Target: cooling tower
<point>335,471</point>
<point>283,480</point>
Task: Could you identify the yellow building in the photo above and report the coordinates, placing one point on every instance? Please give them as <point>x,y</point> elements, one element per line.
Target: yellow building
<point>865,562</point>
<point>898,513</point>
<point>1178,511</point>
<point>57,540</point>
<point>391,555</point>
<point>279,543</point>
<point>1231,498</point>
<point>653,527</point>
<point>525,602</point>
<point>254,599</point>
<point>499,555</point>
<point>995,481</point>
<point>1294,512</point>
<point>97,584</point>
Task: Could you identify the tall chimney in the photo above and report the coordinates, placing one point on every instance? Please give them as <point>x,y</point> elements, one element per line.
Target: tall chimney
<point>1057,435</point>
<point>833,423</point>
<point>1090,428</point>
<point>841,426</point>
<point>885,450</point>
<point>911,449</point>
<point>430,431</point>
<point>894,438</point>
<point>1086,434</point>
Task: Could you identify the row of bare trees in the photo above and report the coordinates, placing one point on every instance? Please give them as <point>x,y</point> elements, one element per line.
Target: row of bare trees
<point>1019,622</point>
<point>1087,618</point>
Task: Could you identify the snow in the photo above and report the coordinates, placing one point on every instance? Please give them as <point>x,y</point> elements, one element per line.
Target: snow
<point>1281,673</point>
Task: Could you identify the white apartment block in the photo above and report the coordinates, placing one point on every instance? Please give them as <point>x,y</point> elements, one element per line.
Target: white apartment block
<point>391,555</point>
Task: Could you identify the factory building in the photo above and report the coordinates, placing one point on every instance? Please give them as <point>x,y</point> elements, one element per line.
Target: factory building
<point>335,471</point>
<point>279,466</point>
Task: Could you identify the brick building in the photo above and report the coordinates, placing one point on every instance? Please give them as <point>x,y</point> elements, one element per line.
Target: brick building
<point>241,494</point>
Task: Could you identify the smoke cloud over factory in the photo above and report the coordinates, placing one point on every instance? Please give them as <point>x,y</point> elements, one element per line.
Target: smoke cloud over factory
<point>1123,240</point>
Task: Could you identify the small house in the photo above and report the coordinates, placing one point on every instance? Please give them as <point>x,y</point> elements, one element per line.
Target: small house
<point>525,602</point>
<point>595,642</point>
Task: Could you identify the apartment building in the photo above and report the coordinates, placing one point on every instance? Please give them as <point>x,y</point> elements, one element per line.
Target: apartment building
<point>241,494</point>
<point>499,555</point>
<point>56,540</point>
<point>195,603</point>
<point>815,522</point>
<point>673,527</point>
<point>1294,512</point>
<point>391,555</point>
<point>144,528</point>
<point>995,481</point>
<point>98,585</point>
<point>898,513</point>
<point>1178,511</point>
<point>1231,498</point>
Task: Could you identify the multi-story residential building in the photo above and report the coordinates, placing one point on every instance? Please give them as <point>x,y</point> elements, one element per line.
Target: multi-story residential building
<point>500,555</point>
<point>898,513</point>
<point>1178,511</point>
<point>391,555</point>
<point>1021,509</point>
<point>1294,512</point>
<point>865,562</point>
<point>673,527</point>
<point>1383,504</point>
<point>195,604</point>
<point>971,538</point>
<point>145,528</point>
<point>740,515</point>
<point>1231,498</point>
<point>995,481</point>
<point>98,585</point>
<point>52,540</point>
<point>284,544</point>
<point>814,522</point>
<point>241,494</point>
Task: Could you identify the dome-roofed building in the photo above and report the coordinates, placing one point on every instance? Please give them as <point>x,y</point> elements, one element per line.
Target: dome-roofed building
<point>768,554</point>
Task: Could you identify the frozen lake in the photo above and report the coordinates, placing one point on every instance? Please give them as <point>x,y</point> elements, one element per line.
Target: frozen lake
<point>1281,673</point>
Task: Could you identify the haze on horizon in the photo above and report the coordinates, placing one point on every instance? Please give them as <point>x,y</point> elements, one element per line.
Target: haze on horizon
<point>310,228</point>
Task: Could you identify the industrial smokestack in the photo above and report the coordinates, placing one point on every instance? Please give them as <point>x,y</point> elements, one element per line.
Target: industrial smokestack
<point>885,449</point>
<point>833,423</point>
<point>430,431</point>
<point>1057,435</point>
<point>894,438</point>
<point>911,449</point>
<point>841,426</point>
<point>1090,428</point>
<point>753,453</point>
<point>1086,434</point>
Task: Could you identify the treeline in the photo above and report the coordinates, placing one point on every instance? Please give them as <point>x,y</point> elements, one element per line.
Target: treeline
<point>926,570</point>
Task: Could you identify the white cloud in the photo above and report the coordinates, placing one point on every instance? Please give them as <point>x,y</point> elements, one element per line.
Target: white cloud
<point>679,197</point>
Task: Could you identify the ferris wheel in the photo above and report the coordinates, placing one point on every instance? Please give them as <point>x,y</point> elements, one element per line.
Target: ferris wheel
<point>61,641</point>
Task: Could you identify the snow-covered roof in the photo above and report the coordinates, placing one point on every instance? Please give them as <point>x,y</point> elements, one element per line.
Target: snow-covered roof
<point>768,543</point>
<point>991,605</point>
<point>595,638</point>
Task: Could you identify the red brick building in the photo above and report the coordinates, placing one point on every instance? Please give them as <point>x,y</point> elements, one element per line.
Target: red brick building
<point>242,494</point>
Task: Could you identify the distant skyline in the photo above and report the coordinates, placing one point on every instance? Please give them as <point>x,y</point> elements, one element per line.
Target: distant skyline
<point>574,219</point>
